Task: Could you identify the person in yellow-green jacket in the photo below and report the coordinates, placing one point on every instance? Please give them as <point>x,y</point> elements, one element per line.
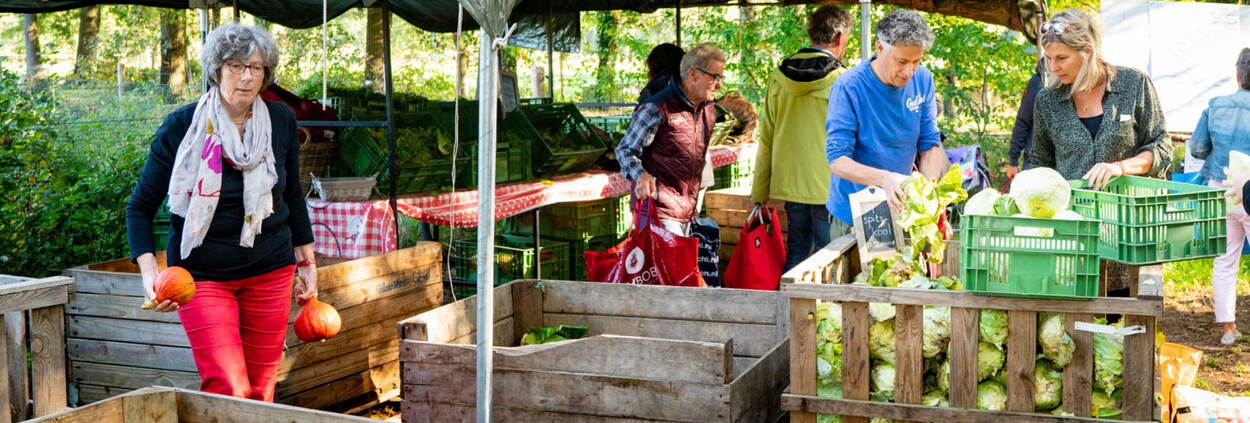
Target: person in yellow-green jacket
<point>790,164</point>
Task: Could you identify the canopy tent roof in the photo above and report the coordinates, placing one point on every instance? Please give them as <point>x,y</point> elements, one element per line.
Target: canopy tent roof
<point>440,15</point>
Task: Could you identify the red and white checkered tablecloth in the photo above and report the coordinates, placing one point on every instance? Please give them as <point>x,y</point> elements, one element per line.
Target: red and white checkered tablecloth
<point>363,228</point>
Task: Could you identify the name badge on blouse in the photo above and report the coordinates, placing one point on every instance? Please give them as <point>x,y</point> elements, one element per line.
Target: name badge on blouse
<point>1126,118</point>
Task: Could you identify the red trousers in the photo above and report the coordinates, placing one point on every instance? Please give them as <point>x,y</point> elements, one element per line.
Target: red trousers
<point>237,330</point>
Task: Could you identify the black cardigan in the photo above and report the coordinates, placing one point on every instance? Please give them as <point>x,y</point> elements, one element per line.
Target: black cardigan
<point>219,257</point>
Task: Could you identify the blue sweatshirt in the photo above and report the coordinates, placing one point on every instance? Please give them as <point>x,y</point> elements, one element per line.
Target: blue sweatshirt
<point>878,126</point>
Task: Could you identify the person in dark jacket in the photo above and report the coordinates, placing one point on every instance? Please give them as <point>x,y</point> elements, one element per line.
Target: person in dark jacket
<point>229,165</point>
<point>662,67</point>
<point>1022,132</point>
<point>664,151</point>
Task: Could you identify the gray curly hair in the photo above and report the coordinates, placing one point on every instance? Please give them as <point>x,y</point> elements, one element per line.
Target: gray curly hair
<point>238,42</point>
<point>904,28</point>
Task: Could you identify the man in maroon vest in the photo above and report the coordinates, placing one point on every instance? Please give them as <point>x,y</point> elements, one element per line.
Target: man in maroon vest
<point>665,149</point>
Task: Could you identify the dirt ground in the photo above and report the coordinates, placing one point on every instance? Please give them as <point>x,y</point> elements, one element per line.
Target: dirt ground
<point>1188,319</point>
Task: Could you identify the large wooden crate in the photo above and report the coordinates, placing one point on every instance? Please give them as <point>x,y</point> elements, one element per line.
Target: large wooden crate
<point>826,276</point>
<point>730,208</point>
<point>114,346</point>
<point>173,405</point>
<point>653,353</point>
<point>32,368</point>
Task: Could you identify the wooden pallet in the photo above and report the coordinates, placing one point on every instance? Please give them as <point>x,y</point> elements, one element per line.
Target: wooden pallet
<point>826,276</point>
<point>172,405</point>
<point>41,303</point>
<point>730,208</point>
<point>115,347</point>
<point>654,353</point>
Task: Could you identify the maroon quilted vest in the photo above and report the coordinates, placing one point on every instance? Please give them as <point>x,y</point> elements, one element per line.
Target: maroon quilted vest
<point>675,157</point>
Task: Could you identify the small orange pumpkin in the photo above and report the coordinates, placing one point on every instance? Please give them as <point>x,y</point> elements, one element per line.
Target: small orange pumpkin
<point>317,321</point>
<point>174,284</point>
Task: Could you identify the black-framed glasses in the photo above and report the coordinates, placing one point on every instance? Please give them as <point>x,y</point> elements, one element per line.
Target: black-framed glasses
<point>237,69</point>
<point>716,77</point>
<point>1053,28</point>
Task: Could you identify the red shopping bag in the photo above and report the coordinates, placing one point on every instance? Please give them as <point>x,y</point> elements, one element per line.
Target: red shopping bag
<point>651,255</point>
<point>759,258</point>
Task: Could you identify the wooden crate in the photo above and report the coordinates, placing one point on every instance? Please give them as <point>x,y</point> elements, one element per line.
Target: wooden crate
<point>115,347</point>
<point>654,353</point>
<point>730,208</point>
<point>826,276</point>
<point>41,390</point>
<point>173,405</point>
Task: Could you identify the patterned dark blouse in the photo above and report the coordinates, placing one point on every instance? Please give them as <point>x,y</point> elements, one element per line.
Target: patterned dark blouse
<point>1132,123</point>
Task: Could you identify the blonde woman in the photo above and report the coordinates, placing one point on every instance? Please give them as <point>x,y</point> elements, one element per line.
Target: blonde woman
<point>1093,120</point>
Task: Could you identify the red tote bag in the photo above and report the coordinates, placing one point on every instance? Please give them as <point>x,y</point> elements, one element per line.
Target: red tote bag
<point>651,255</point>
<point>760,256</point>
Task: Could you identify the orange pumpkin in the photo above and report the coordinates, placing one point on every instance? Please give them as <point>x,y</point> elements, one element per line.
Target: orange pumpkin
<point>317,321</point>
<point>174,284</point>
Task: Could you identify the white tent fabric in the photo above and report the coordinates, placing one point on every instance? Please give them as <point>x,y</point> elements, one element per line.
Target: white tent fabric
<point>493,16</point>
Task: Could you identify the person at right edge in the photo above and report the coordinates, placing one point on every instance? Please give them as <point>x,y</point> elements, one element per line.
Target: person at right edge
<point>1095,121</point>
<point>882,119</point>
<point>789,164</point>
<point>1224,128</point>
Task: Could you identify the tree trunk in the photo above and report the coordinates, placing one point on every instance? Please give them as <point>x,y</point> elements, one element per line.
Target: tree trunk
<point>605,73</point>
<point>375,64</point>
<point>88,34</point>
<point>173,49</point>
<point>462,64</point>
<point>33,60</point>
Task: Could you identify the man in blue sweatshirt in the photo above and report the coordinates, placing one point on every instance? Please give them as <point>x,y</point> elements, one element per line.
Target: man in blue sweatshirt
<point>882,119</point>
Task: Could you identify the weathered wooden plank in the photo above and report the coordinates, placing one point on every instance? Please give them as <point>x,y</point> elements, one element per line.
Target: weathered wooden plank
<point>737,218</point>
<point>527,309</point>
<point>373,289</point>
<point>503,332</point>
<point>455,320</point>
<point>15,331</point>
<point>855,377</point>
<point>378,381</point>
<point>152,407</point>
<point>909,358</point>
<point>114,306</point>
<point>303,378</point>
<point>803,353</point>
<point>575,393</point>
<point>963,357</point>
<point>751,340</point>
<point>131,378</point>
<point>1139,370</point>
<point>200,407</point>
<point>427,412</point>
<point>423,255</point>
<point>1129,306</point>
<point>13,285</point>
<point>134,331</point>
<point>5,407</point>
<point>1078,375</point>
<point>88,394</point>
<point>381,311</point>
<point>47,359</point>
<point>47,296</point>
<point>1021,359</point>
<point>755,395</point>
<point>808,270</point>
<point>660,302</point>
<point>920,412</point>
<point>123,264</point>
<point>603,355</point>
<point>738,198</point>
<point>131,354</point>
<point>106,282</point>
<point>99,412</point>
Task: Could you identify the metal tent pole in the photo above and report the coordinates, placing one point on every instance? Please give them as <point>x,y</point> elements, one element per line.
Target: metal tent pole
<point>678,31</point>
<point>390,127</point>
<point>487,95</point>
<point>551,74</point>
<point>865,28</point>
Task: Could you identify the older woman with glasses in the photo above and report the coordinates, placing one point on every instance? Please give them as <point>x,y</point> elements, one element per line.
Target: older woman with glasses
<point>1093,120</point>
<point>229,166</point>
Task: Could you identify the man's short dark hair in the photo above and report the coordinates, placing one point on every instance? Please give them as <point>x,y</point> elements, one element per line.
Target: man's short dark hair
<point>827,23</point>
<point>1243,69</point>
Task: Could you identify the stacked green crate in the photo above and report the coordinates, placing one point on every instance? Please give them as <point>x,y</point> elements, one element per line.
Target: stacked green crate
<point>578,220</point>
<point>160,226</point>
<point>735,175</point>
<point>578,249</point>
<point>515,258</point>
<point>624,216</point>
<point>566,144</point>
<point>513,143</point>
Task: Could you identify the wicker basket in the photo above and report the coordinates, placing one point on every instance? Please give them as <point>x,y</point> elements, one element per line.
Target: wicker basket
<point>353,188</point>
<point>314,157</point>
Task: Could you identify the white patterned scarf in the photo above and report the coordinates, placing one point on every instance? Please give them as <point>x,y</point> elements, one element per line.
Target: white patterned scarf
<point>195,181</point>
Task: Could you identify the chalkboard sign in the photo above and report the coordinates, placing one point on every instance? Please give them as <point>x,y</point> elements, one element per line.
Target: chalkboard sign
<point>508,93</point>
<point>875,230</point>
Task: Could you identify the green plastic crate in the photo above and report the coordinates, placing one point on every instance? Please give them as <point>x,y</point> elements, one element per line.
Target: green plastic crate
<point>578,220</point>
<point>615,124</point>
<point>578,249</point>
<point>1148,221</point>
<point>359,152</point>
<point>514,259</point>
<point>513,153</point>
<point>562,120</point>
<point>624,216</point>
<point>1028,257</point>
<point>734,175</point>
